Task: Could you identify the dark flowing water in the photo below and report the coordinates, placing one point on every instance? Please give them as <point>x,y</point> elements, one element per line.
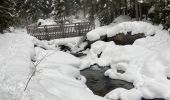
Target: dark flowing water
<point>101,85</point>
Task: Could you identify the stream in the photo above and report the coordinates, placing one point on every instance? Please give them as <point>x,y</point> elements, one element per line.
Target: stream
<point>100,84</point>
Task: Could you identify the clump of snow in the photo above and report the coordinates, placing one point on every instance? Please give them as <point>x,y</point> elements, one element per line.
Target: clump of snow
<point>151,10</point>
<point>46,22</point>
<point>134,27</point>
<point>97,33</point>
<point>124,94</point>
<point>74,43</point>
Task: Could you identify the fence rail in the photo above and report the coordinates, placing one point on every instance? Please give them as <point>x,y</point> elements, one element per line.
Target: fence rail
<point>48,32</point>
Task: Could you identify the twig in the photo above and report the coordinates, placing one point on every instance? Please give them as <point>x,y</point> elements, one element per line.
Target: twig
<point>35,65</point>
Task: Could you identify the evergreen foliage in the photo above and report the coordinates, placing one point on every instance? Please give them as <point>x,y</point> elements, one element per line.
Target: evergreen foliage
<point>29,11</point>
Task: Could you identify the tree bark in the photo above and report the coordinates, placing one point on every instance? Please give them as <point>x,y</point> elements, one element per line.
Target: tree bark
<point>1,29</point>
<point>140,10</point>
<point>136,10</point>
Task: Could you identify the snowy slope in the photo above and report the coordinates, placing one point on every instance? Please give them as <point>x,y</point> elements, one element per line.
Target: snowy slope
<point>16,52</point>
<point>56,78</point>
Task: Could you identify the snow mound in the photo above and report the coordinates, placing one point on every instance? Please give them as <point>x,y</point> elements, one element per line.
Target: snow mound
<point>56,57</point>
<point>96,33</point>
<point>59,78</point>
<point>134,27</point>
<point>56,77</point>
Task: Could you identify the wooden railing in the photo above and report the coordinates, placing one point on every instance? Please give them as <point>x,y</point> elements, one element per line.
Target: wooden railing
<point>48,32</point>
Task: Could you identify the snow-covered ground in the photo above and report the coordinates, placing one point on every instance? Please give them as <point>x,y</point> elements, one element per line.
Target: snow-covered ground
<point>55,73</point>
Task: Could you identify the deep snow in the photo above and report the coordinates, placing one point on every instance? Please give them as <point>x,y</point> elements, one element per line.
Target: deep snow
<point>145,63</point>
<point>56,78</point>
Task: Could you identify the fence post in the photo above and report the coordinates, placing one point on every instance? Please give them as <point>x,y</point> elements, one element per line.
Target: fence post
<point>47,37</point>
<point>79,29</point>
<point>62,28</point>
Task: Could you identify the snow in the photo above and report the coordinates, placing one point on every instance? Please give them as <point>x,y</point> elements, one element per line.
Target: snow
<point>122,18</point>
<point>97,33</point>
<point>46,22</point>
<point>145,63</point>
<point>151,10</point>
<point>16,52</point>
<point>134,27</point>
<point>57,76</point>
<point>74,43</point>
<point>124,94</point>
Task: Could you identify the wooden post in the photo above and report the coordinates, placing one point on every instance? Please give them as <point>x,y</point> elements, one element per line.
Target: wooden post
<point>79,30</point>
<point>46,31</point>
<point>62,28</point>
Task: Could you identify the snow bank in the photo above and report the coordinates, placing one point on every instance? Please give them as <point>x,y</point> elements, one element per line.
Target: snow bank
<point>72,43</point>
<point>16,52</point>
<point>145,63</point>
<point>57,76</point>
<point>134,27</point>
<point>75,44</point>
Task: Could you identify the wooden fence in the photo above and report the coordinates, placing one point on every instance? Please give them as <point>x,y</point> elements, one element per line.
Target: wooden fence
<point>48,32</point>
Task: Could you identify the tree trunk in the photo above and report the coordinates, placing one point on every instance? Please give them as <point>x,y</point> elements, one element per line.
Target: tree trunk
<point>140,10</point>
<point>1,29</point>
<point>136,10</point>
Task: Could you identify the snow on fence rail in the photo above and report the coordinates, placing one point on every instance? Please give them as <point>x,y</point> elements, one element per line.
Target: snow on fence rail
<point>47,32</point>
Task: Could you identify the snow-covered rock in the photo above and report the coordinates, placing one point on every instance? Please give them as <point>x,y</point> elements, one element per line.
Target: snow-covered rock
<point>134,27</point>
<point>145,63</point>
